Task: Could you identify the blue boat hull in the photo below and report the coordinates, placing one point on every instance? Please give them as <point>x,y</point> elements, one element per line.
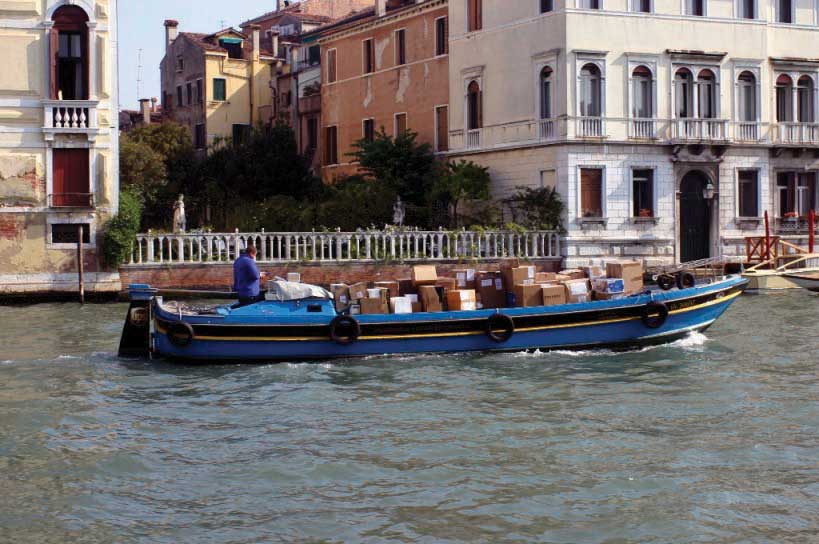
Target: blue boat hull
<point>255,336</point>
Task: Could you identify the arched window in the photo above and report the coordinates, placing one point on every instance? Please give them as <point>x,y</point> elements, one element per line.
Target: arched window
<point>746,97</point>
<point>707,87</point>
<point>642,93</point>
<point>69,54</point>
<point>590,91</point>
<point>474,106</point>
<point>684,93</point>
<point>804,97</point>
<point>546,93</point>
<point>784,99</point>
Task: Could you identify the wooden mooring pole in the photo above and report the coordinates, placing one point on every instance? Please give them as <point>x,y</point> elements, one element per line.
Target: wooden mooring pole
<point>767,238</point>
<point>79,263</point>
<point>811,230</point>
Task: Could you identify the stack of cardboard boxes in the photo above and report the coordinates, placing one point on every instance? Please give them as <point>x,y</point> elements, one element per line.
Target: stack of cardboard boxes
<point>515,285</point>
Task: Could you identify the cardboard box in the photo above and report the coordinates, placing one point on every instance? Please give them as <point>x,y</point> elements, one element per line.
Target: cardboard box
<point>459,300</point>
<point>577,291</point>
<point>523,275</point>
<point>490,289</point>
<point>417,307</point>
<point>630,271</point>
<point>424,274</point>
<point>400,305</point>
<point>355,309</point>
<point>545,277</point>
<point>608,285</point>
<point>358,291</point>
<point>371,306</point>
<point>341,296</point>
<point>465,278</point>
<point>405,287</point>
<point>294,277</point>
<point>560,278</point>
<point>527,296</point>
<point>448,284</point>
<point>593,271</point>
<point>553,295</point>
<point>391,286</point>
<point>573,273</point>
<point>506,273</point>
<point>430,299</point>
<point>379,293</point>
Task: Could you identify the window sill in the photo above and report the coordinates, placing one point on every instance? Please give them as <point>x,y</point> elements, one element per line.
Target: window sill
<point>748,223</point>
<point>593,222</point>
<point>645,220</point>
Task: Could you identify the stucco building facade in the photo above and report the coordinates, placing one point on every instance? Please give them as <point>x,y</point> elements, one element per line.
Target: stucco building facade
<point>668,128</point>
<point>385,67</point>
<point>58,142</point>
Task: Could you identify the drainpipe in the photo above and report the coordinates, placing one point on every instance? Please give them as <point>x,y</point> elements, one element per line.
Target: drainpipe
<point>256,29</point>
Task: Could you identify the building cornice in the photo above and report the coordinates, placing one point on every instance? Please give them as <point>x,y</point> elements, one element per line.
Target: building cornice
<point>357,27</point>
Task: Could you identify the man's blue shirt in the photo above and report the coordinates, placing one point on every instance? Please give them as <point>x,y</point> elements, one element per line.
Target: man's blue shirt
<point>245,277</point>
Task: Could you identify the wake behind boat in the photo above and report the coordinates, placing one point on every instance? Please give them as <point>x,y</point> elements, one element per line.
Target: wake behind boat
<point>311,329</point>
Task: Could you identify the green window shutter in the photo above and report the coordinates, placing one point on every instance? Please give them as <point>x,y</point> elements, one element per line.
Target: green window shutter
<point>219,90</point>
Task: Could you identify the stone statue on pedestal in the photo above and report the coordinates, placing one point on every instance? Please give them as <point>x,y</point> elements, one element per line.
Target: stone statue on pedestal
<point>398,213</point>
<point>179,222</point>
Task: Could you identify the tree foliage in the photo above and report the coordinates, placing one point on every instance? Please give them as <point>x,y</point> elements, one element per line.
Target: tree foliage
<point>120,232</point>
<point>461,182</point>
<point>536,208</point>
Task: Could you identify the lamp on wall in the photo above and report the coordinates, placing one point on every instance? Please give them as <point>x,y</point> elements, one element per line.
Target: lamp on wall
<point>709,192</point>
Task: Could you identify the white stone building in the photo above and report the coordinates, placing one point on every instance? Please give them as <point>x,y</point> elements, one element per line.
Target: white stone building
<point>669,127</point>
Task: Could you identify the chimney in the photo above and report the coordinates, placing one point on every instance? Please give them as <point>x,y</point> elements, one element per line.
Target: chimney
<point>255,32</point>
<point>145,108</point>
<point>278,5</point>
<point>171,31</point>
<point>274,43</point>
<point>154,101</point>
<point>380,8</point>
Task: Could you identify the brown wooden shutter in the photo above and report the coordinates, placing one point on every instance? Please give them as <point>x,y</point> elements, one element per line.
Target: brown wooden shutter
<point>480,109</point>
<point>53,55</point>
<point>478,14</point>
<point>71,184</point>
<point>591,192</point>
<point>442,123</point>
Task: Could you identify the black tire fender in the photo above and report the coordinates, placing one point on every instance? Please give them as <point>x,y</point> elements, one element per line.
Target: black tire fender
<point>344,330</point>
<point>180,334</point>
<point>686,280</point>
<point>500,322</point>
<point>654,315</point>
<point>666,282</point>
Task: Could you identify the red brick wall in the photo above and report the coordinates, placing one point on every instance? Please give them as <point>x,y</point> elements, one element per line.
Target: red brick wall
<point>220,276</point>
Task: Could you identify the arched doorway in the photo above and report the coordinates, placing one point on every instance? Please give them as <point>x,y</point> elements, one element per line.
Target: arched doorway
<point>695,218</point>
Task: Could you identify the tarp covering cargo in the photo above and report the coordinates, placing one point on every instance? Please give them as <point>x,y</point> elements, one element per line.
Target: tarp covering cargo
<point>282,291</point>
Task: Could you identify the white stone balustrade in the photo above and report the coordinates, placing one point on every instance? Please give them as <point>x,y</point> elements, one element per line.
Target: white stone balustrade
<point>364,246</point>
<point>70,116</point>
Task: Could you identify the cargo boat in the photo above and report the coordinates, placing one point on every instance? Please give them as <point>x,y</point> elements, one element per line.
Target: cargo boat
<point>311,329</point>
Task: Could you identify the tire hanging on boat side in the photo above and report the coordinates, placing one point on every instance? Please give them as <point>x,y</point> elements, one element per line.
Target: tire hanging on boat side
<point>180,334</point>
<point>500,322</point>
<point>666,282</point>
<point>686,280</point>
<point>654,315</point>
<point>344,330</point>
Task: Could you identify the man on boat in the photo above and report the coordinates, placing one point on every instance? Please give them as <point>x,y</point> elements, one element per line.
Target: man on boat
<point>246,278</point>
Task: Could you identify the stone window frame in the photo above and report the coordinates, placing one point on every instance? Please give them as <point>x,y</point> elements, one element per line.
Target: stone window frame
<point>395,122</point>
<point>633,4</point>
<point>755,68</point>
<point>445,18</point>
<point>651,62</point>
<point>364,127</point>
<point>334,51</point>
<point>546,59</point>
<point>738,7</point>
<point>655,196</point>
<point>468,75</point>
<point>72,219</point>
<point>437,136</point>
<point>93,158</point>
<point>696,69</point>
<point>581,59</point>
<point>591,222</point>
<point>685,14</point>
<point>395,46</point>
<point>745,221</point>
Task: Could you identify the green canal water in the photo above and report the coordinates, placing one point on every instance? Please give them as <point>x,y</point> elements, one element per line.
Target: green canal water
<point>714,438</point>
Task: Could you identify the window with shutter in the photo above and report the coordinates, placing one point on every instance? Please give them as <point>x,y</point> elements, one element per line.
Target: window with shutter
<point>591,192</point>
<point>748,193</point>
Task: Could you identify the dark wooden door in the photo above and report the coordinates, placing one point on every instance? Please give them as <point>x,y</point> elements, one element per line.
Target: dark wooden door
<point>695,219</point>
<point>71,186</point>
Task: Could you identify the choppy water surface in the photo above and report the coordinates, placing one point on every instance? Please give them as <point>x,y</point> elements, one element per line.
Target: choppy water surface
<point>712,439</point>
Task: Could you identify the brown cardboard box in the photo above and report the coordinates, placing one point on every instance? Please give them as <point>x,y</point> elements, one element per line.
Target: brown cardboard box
<point>391,286</point>
<point>424,274</point>
<point>370,306</point>
<point>577,291</point>
<point>593,271</point>
<point>465,278</point>
<point>379,293</point>
<point>461,300</point>
<point>294,277</point>
<point>506,273</point>
<point>574,273</point>
<point>358,291</point>
<point>341,296</point>
<point>523,275</point>
<point>449,284</point>
<point>527,296</point>
<point>630,271</point>
<point>553,295</point>
<point>545,277</point>
<point>417,307</point>
<point>430,299</point>
<point>608,296</point>
<point>406,287</point>
<point>490,289</point>
<point>560,278</point>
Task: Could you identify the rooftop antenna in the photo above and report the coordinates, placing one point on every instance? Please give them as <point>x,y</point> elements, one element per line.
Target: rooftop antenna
<point>222,24</point>
<point>139,75</point>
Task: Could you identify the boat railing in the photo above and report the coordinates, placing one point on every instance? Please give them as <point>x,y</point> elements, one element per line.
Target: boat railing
<point>363,246</point>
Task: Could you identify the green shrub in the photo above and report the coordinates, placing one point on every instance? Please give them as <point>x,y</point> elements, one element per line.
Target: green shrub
<point>121,230</point>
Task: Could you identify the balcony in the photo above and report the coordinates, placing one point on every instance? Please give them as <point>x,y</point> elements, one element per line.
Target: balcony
<point>748,131</point>
<point>642,129</point>
<point>70,117</point>
<point>71,200</point>
<point>699,130</point>
<point>793,225</point>
<point>310,104</point>
<point>797,133</point>
<point>473,138</point>
<point>590,127</point>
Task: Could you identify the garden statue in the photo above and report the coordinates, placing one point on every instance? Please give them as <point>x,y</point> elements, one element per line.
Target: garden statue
<point>398,213</point>
<point>179,215</point>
